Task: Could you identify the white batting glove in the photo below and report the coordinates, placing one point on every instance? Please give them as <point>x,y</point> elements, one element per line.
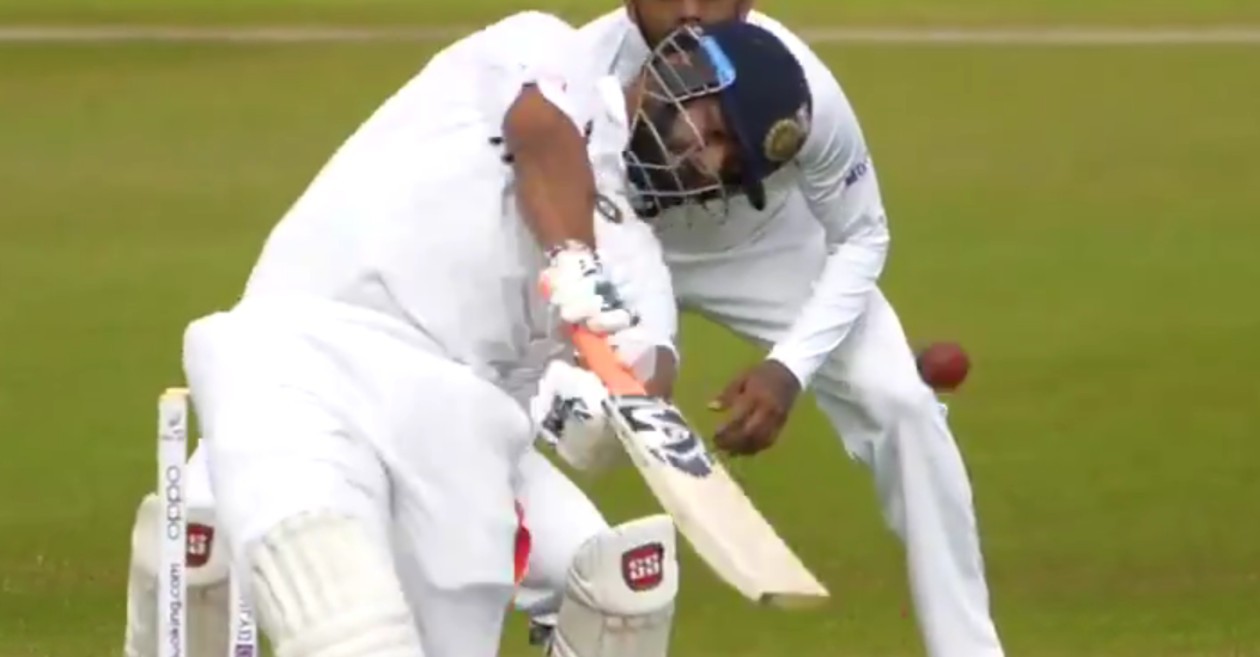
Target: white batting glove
<point>569,413</point>
<point>582,292</point>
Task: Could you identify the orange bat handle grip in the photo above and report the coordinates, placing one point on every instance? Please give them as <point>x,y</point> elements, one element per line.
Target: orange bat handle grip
<point>601,359</point>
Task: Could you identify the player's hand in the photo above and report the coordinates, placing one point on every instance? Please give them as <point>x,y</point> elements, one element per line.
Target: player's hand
<point>758,403</point>
<point>568,411</point>
<point>581,291</point>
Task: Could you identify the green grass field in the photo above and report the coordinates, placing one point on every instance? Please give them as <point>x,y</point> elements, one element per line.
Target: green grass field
<point>1084,219</point>
<point>417,12</point>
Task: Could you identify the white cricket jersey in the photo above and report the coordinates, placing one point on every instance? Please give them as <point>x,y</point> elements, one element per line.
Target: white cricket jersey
<point>415,215</point>
<point>834,174</point>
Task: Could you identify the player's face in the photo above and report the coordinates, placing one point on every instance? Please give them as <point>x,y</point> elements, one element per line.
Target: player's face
<point>680,149</point>
<point>657,18</point>
<point>698,140</point>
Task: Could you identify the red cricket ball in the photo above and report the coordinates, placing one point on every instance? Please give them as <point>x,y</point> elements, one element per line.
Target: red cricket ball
<point>943,365</point>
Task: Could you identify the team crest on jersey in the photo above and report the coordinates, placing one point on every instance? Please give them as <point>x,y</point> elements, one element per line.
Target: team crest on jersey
<point>785,138</point>
<point>643,567</point>
<point>608,209</point>
<point>858,171</point>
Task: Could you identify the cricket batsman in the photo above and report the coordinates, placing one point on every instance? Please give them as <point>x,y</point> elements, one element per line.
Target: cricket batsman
<point>795,270</point>
<point>366,443</point>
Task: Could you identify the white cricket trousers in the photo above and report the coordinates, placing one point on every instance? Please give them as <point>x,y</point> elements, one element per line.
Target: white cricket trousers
<point>312,406</point>
<point>871,392</point>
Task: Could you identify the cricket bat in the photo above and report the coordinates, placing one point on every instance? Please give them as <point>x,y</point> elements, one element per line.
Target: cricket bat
<point>710,509</point>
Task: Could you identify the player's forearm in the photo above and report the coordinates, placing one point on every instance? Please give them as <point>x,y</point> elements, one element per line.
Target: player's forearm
<point>555,187</point>
<point>664,373</point>
<point>636,263</point>
<point>838,301</point>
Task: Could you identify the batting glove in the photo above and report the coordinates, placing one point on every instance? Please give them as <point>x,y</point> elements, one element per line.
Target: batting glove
<point>581,291</point>
<point>569,413</point>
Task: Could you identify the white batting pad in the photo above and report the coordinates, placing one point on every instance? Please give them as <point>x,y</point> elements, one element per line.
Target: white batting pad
<point>207,607</point>
<point>208,561</point>
<point>323,590</point>
<point>619,598</point>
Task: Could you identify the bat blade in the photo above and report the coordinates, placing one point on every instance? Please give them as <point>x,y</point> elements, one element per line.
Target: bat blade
<point>710,509</point>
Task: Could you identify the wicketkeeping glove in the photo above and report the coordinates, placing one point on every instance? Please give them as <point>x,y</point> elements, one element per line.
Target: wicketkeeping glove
<point>582,292</point>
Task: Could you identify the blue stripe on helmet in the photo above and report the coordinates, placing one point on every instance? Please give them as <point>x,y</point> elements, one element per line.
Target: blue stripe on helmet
<point>721,63</point>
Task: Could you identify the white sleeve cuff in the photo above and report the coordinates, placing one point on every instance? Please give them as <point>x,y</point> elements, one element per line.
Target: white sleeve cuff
<point>801,367</point>
<point>554,90</point>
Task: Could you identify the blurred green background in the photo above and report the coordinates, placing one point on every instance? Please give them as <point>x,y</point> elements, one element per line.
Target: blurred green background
<point>475,12</point>
<point>1083,218</point>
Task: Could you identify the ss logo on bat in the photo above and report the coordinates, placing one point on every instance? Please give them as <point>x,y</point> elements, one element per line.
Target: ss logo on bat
<point>666,434</point>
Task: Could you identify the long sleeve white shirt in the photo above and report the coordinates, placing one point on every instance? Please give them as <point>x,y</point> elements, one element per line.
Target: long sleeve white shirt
<point>414,216</point>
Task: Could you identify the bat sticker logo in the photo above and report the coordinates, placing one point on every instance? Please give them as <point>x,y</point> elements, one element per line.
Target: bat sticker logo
<point>666,435</point>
